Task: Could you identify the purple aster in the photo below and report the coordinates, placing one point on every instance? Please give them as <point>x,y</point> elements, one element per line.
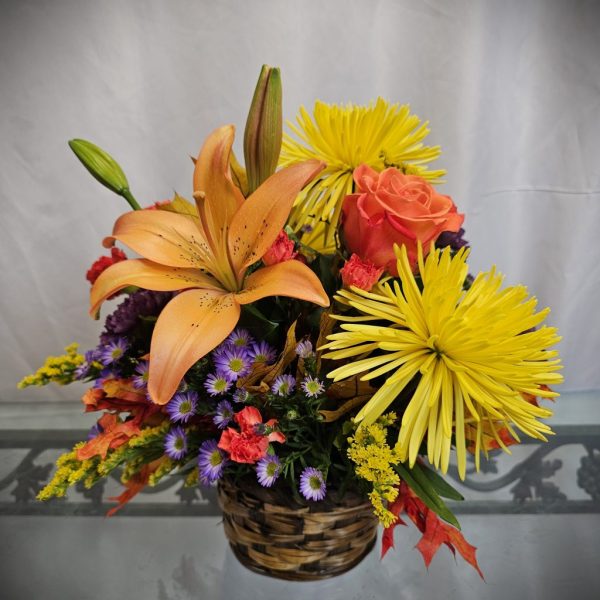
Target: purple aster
<point>261,352</point>
<point>217,384</point>
<point>224,414</point>
<point>268,469</point>
<point>283,385</point>
<point>232,362</point>
<point>240,338</point>
<point>176,443</point>
<point>95,431</point>
<point>312,484</point>
<point>103,375</point>
<point>211,462</point>
<point>182,406</point>
<point>304,349</point>
<point>93,355</point>
<point>114,351</point>
<point>81,371</point>
<point>312,386</point>
<point>241,395</point>
<point>140,381</point>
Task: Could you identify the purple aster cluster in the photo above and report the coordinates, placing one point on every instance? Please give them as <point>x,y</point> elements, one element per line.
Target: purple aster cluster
<point>224,414</point>
<point>140,379</point>
<point>182,406</point>
<point>312,386</point>
<point>114,351</point>
<point>232,361</point>
<point>176,443</point>
<point>143,303</point>
<point>283,385</point>
<point>312,484</point>
<point>304,349</point>
<point>453,239</point>
<point>268,469</point>
<point>211,462</point>
<point>262,352</point>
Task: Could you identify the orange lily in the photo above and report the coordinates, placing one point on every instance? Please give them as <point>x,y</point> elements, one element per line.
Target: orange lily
<point>208,258</point>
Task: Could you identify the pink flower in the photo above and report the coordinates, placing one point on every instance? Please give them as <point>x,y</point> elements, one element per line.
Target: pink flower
<point>281,250</point>
<point>362,274</point>
<point>392,208</point>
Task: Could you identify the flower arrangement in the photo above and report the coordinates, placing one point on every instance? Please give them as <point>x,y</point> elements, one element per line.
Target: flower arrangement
<point>308,323</point>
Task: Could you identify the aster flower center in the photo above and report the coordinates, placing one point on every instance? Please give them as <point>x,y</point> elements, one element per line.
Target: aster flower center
<point>185,407</point>
<point>272,469</point>
<point>216,458</point>
<point>314,482</point>
<point>179,443</point>
<point>236,364</point>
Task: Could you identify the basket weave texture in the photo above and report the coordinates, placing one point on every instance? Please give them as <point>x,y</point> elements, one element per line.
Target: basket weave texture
<point>272,534</point>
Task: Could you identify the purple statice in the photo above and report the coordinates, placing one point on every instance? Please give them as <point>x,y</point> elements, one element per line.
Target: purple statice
<point>453,239</point>
<point>283,385</point>
<point>232,362</point>
<point>268,469</point>
<point>182,406</point>
<point>224,414</point>
<point>241,395</point>
<point>143,303</point>
<point>261,352</point>
<point>312,386</point>
<point>312,484</point>
<point>217,384</point>
<point>114,351</point>
<point>176,443</point>
<point>240,338</point>
<point>304,349</point>
<point>95,431</point>
<point>211,462</point>
<point>140,379</point>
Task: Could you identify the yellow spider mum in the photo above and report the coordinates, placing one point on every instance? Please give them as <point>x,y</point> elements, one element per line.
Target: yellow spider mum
<point>473,351</point>
<point>380,135</point>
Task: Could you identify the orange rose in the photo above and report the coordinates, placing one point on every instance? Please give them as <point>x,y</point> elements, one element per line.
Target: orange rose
<point>392,208</point>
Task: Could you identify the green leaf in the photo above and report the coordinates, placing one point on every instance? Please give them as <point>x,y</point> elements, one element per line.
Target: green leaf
<point>441,486</point>
<point>420,485</point>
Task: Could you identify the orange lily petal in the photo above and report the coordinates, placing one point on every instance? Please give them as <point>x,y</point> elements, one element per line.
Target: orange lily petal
<point>220,198</point>
<point>148,275</point>
<point>262,216</point>
<point>290,278</point>
<point>163,237</point>
<point>189,326</point>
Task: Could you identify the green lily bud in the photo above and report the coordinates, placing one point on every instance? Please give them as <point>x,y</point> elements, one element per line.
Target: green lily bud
<point>262,137</point>
<point>103,167</point>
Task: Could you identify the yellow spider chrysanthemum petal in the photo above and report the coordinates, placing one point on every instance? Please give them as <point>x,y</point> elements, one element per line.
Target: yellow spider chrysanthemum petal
<point>380,135</point>
<point>476,354</point>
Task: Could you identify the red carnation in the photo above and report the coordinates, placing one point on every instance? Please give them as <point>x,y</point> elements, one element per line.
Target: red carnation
<point>103,263</point>
<point>362,274</point>
<point>281,250</point>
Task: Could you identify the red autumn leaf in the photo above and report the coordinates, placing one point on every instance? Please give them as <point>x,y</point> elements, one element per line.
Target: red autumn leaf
<point>387,539</point>
<point>435,531</point>
<point>134,486</point>
<point>114,434</point>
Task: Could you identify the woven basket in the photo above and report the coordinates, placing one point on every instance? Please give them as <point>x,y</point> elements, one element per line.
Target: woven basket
<point>272,534</point>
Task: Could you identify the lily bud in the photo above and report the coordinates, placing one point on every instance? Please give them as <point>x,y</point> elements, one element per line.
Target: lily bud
<point>262,137</point>
<point>103,167</point>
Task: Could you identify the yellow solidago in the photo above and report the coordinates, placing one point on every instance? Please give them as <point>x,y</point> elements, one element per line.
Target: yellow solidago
<point>475,353</point>
<point>375,462</point>
<point>56,369</point>
<point>69,471</point>
<point>380,135</point>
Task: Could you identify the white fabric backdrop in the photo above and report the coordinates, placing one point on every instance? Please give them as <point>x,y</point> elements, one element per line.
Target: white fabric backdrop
<point>511,90</point>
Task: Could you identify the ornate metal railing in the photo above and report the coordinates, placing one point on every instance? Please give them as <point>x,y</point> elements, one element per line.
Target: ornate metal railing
<point>532,482</point>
